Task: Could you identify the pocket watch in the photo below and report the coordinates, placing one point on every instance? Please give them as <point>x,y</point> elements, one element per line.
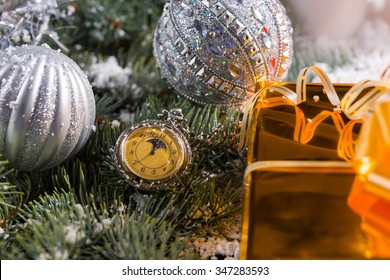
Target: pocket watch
<point>154,154</point>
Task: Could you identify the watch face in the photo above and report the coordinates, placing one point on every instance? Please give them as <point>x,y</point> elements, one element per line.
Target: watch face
<point>152,154</point>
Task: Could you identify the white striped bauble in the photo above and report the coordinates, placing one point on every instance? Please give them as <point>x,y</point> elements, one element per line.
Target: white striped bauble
<point>47,107</point>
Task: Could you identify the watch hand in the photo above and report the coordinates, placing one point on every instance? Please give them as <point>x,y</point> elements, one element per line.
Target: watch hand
<point>152,152</point>
<point>157,144</point>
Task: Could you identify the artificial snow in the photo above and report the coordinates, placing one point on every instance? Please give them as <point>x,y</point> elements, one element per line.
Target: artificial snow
<point>237,253</point>
<point>98,228</point>
<point>70,11</point>
<point>109,74</point>
<point>115,124</point>
<point>58,255</point>
<point>368,67</point>
<point>43,256</point>
<point>73,234</point>
<point>106,223</point>
<point>126,116</point>
<point>215,248</point>
<point>61,255</point>
<point>80,210</point>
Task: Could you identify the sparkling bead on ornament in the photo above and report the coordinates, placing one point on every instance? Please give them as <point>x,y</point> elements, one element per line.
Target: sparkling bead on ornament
<point>217,51</point>
<point>47,107</point>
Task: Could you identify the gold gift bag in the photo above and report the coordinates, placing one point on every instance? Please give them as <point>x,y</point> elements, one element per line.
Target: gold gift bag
<point>298,179</point>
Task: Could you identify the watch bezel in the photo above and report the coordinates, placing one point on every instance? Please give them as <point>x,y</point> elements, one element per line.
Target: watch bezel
<point>142,183</point>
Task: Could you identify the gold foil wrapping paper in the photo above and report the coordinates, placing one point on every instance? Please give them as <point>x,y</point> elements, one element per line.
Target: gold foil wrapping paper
<point>301,141</point>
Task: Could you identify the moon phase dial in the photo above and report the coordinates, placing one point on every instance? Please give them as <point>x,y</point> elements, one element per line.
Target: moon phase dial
<point>152,155</point>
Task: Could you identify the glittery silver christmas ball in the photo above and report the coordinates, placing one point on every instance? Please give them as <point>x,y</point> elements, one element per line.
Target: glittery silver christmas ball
<point>219,51</point>
<point>47,107</point>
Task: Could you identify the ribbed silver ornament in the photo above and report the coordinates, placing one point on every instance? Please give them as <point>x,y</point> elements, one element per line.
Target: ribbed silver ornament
<point>217,51</point>
<point>47,107</point>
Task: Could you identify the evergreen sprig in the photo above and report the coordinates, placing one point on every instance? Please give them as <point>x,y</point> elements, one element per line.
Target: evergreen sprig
<point>66,205</point>
<point>58,227</point>
<point>10,197</point>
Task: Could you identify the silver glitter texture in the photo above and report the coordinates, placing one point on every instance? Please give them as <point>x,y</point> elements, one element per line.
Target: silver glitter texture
<point>219,51</point>
<point>47,107</point>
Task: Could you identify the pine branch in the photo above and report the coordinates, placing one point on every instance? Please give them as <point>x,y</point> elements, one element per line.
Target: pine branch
<point>58,227</point>
<point>10,199</point>
<point>83,209</point>
<point>103,26</point>
<point>142,237</point>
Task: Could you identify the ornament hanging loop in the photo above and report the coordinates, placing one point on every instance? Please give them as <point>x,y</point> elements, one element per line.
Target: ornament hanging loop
<point>176,118</point>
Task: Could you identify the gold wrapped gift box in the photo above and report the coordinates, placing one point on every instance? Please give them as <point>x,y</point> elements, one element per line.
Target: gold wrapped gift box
<point>297,183</point>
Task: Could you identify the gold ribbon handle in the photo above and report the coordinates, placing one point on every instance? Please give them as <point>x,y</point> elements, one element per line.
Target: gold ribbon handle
<point>356,103</point>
